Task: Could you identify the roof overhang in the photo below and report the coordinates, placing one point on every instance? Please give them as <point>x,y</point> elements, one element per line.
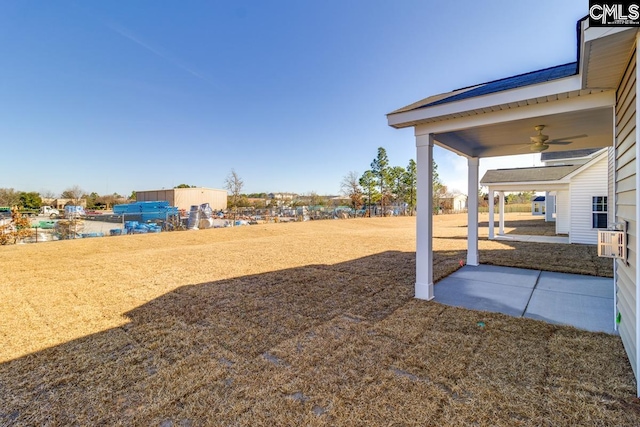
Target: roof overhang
<point>605,54</point>
<point>550,185</point>
<point>528,186</point>
<point>501,123</point>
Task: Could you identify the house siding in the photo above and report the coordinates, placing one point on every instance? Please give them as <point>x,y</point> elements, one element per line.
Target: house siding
<point>625,207</point>
<point>584,186</point>
<point>563,211</point>
<point>611,162</point>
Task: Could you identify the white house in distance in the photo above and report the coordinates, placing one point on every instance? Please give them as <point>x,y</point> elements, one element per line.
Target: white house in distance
<point>538,205</point>
<point>577,191</point>
<point>594,99</point>
<point>453,202</point>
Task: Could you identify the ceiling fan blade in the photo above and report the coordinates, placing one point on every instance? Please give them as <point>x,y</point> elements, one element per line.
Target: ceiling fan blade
<point>558,142</point>
<point>553,141</point>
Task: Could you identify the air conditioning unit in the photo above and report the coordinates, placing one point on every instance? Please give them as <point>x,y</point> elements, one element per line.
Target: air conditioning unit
<point>612,243</point>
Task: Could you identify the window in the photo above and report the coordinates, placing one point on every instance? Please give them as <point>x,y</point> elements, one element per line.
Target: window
<point>599,209</point>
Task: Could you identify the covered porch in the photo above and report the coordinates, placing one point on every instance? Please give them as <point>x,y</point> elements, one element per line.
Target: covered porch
<point>590,103</point>
<point>499,118</point>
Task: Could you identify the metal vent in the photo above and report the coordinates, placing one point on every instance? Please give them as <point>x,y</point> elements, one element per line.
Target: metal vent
<point>613,243</point>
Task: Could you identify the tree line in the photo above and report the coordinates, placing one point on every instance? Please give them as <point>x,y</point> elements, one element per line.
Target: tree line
<point>76,196</point>
<point>384,186</point>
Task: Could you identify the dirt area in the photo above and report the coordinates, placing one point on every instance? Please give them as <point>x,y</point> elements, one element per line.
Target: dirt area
<point>290,324</point>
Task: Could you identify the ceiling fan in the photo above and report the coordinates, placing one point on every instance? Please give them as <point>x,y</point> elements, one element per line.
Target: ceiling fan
<point>541,142</point>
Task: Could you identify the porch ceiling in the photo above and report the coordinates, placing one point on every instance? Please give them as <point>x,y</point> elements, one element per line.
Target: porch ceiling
<point>512,137</point>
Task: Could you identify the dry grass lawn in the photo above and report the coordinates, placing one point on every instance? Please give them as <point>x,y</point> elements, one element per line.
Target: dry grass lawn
<point>290,324</point>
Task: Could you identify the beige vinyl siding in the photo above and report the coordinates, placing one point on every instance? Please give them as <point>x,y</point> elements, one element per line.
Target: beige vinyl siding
<point>625,208</point>
<point>584,186</point>
<point>611,162</point>
<point>563,212</point>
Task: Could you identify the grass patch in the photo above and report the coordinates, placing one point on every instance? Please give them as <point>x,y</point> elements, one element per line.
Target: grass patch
<point>290,324</point>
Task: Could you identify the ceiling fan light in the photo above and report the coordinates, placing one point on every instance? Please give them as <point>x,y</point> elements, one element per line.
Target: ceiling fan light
<point>539,148</point>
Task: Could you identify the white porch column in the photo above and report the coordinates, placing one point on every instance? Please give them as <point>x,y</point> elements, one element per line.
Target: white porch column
<point>472,222</point>
<point>547,207</point>
<point>491,214</point>
<point>424,218</point>
<point>501,229</point>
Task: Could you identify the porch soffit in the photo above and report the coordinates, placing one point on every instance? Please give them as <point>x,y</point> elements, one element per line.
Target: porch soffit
<point>479,122</point>
<point>606,53</point>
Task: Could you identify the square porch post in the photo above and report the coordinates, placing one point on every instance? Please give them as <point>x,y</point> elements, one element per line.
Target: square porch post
<point>472,222</point>
<point>491,224</point>
<point>501,230</point>
<point>424,218</point>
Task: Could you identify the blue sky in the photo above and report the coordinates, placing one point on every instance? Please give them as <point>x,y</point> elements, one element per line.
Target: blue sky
<point>119,96</point>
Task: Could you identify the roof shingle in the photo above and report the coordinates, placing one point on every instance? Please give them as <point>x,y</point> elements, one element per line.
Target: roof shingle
<point>546,173</point>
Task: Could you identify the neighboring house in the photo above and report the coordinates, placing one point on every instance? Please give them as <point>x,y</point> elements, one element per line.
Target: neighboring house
<point>538,205</point>
<point>453,203</point>
<point>579,193</point>
<point>591,103</point>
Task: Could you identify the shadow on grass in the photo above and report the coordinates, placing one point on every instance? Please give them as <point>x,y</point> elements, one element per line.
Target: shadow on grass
<point>532,227</point>
<point>341,344</point>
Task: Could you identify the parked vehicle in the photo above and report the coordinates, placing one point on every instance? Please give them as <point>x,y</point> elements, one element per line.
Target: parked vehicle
<point>5,211</point>
<point>49,211</point>
<point>71,212</point>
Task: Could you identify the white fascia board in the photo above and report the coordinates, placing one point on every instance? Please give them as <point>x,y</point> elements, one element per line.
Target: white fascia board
<point>567,84</point>
<point>524,186</point>
<point>578,103</point>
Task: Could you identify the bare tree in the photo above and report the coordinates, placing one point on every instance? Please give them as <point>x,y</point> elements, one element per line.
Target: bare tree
<point>74,194</point>
<point>9,197</point>
<point>350,187</point>
<point>233,183</point>
<point>47,196</point>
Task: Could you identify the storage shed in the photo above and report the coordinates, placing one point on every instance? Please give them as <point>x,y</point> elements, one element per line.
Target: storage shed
<point>184,198</point>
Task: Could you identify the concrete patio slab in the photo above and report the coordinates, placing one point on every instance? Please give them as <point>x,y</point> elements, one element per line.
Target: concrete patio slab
<point>576,284</point>
<point>495,274</point>
<point>585,302</point>
<point>537,239</point>
<point>582,311</point>
<point>486,296</point>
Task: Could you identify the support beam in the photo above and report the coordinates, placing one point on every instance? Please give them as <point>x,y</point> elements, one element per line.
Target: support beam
<point>424,218</point>
<point>501,229</point>
<point>491,214</point>
<point>472,222</point>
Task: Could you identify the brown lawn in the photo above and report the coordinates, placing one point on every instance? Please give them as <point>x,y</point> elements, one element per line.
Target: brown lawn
<point>291,324</point>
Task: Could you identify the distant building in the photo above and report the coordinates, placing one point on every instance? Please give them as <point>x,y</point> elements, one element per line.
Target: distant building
<point>61,203</point>
<point>452,203</point>
<point>184,198</point>
<point>538,205</point>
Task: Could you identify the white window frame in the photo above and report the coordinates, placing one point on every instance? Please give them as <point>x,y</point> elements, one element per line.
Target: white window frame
<point>595,204</point>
